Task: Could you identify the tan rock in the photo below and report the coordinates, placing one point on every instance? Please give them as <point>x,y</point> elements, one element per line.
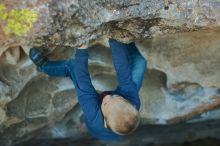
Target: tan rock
<point>11,55</point>
<point>177,104</point>
<point>189,56</point>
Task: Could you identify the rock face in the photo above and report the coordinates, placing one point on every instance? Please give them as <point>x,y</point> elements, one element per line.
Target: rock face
<point>151,135</point>
<point>70,23</point>
<point>180,40</point>
<point>186,51</point>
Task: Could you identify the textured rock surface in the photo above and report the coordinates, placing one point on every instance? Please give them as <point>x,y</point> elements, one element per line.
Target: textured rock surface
<point>182,84</point>
<point>190,57</point>
<point>70,23</point>
<point>32,102</point>
<point>149,135</point>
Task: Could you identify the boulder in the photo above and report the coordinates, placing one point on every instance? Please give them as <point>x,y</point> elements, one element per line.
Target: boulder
<point>179,39</point>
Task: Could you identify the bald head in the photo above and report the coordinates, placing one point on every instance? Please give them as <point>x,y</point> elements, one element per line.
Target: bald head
<point>120,115</point>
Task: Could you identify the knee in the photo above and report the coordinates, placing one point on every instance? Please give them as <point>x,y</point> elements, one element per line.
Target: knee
<point>70,64</point>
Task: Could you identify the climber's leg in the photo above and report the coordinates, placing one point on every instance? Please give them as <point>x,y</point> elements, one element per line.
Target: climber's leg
<point>52,68</point>
<point>63,68</point>
<point>57,68</point>
<point>138,64</point>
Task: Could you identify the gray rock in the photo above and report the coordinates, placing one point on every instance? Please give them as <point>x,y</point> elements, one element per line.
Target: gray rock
<point>180,40</point>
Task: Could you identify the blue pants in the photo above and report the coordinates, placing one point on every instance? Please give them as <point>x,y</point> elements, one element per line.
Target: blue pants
<point>137,62</point>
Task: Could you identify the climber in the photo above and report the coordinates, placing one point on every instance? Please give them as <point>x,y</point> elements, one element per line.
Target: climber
<point>111,114</point>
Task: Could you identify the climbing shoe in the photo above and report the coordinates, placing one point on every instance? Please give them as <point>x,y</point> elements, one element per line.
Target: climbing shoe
<point>37,57</point>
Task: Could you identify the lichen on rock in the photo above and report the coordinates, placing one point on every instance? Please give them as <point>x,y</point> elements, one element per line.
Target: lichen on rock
<point>18,22</point>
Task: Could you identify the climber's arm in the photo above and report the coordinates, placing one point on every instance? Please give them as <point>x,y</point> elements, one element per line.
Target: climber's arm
<point>87,96</point>
<point>81,71</point>
<point>127,88</point>
<point>121,64</point>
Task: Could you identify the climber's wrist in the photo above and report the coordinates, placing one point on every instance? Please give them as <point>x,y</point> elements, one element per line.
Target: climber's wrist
<point>83,47</point>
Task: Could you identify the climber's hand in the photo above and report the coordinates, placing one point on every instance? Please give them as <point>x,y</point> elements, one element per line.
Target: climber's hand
<point>83,47</point>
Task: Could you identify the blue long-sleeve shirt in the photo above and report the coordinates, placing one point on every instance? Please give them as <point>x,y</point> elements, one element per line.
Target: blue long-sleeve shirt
<point>90,100</point>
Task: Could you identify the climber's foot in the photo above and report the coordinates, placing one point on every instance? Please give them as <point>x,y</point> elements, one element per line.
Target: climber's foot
<point>37,57</point>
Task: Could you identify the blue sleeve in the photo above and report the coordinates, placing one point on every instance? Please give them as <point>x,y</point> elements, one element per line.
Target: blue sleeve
<point>86,93</point>
<point>121,64</point>
<point>127,87</point>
